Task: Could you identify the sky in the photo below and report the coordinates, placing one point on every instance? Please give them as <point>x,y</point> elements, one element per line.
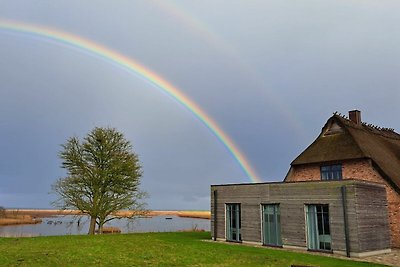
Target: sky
<point>268,73</point>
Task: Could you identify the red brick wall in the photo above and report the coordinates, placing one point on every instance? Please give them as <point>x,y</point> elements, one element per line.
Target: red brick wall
<point>362,170</point>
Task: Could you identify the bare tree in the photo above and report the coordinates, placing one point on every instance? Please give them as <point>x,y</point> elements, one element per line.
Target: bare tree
<point>103,177</point>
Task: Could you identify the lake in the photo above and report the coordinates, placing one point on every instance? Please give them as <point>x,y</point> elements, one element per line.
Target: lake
<point>79,225</point>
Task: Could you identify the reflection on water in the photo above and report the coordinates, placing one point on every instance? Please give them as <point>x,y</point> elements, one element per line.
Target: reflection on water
<point>78,225</point>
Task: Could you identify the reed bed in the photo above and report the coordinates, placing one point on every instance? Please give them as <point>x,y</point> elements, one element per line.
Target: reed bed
<point>16,219</point>
<point>32,216</point>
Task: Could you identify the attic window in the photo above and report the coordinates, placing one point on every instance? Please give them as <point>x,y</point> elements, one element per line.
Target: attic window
<point>331,172</point>
<point>334,128</point>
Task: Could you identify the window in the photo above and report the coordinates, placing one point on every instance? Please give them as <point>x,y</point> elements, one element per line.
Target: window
<point>233,222</point>
<point>318,230</point>
<point>271,225</point>
<point>331,172</point>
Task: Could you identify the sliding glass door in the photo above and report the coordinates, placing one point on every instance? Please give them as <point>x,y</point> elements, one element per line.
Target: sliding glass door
<point>271,225</point>
<point>233,223</point>
<point>318,230</point>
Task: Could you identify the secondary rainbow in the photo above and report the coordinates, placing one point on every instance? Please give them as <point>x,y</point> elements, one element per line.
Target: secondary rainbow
<point>142,72</point>
<point>223,46</point>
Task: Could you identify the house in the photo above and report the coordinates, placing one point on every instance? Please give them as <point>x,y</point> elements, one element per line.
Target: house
<point>350,149</point>
<point>341,195</point>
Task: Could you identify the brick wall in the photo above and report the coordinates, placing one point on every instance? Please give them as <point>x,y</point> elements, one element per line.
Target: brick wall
<point>357,169</point>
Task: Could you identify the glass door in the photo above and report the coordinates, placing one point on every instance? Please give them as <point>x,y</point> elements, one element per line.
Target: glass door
<point>271,225</point>
<point>233,223</point>
<point>318,230</point>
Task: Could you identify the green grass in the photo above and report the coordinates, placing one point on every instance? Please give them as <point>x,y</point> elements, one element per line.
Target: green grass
<point>149,249</point>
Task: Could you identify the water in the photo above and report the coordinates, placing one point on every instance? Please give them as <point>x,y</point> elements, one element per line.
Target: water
<point>79,225</point>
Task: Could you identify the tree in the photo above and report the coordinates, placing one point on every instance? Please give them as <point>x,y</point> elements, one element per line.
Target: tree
<point>103,177</point>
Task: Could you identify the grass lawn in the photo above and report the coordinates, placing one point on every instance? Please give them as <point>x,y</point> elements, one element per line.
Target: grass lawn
<point>149,249</point>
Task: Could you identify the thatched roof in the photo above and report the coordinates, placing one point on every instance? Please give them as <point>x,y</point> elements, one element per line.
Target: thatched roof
<point>342,139</point>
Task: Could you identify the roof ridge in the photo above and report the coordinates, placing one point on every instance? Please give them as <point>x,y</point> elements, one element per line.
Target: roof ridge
<point>381,131</point>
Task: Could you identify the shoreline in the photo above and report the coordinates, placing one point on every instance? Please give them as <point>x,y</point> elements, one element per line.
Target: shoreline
<point>33,216</point>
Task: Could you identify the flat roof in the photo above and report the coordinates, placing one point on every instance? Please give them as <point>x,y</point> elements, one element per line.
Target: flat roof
<point>346,181</point>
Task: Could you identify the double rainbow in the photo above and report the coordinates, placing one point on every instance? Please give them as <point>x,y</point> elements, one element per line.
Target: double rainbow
<point>137,69</point>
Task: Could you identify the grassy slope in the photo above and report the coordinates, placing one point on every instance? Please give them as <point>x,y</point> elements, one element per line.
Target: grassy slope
<point>148,249</point>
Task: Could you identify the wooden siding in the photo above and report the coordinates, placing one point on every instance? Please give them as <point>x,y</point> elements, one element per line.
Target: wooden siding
<point>292,198</point>
<point>371,218</point>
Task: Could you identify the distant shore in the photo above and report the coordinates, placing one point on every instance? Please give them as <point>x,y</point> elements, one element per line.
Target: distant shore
<point>33,216</point>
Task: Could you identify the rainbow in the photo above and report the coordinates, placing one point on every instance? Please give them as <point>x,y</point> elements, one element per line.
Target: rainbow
<point>210,36</point>
<point>142,72</point>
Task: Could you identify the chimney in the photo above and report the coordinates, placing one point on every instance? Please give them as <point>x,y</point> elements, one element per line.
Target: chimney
<point>355,116</point>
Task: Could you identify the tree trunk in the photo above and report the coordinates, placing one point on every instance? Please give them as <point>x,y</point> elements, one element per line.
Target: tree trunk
<point>101,228</point>
<point>92,226</point>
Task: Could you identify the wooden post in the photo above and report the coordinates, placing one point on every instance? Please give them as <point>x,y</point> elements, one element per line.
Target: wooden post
<point>215,215</point>
<point>345,221</point>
